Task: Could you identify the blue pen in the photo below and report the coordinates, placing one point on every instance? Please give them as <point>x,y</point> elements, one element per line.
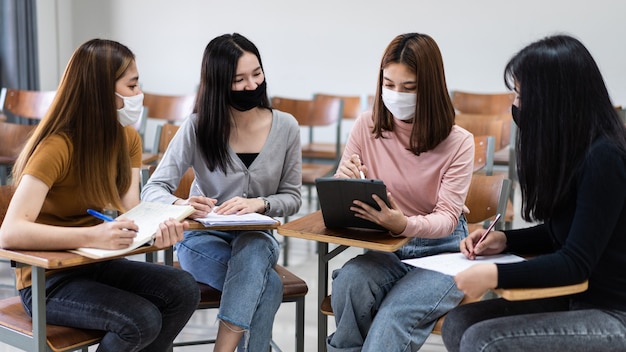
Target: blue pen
<point>99,215</point>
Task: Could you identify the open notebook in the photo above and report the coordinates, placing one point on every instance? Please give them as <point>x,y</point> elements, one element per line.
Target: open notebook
<point>213,219</point>
<point>147,216</point>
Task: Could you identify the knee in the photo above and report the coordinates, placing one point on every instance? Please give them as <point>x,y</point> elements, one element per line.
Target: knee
<point>453,328</point>
<point>143,327</point>
<point>188,290</point>
<point>274,289</point>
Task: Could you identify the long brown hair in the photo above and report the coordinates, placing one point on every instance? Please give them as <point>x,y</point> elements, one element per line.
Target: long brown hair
<point>434,113</point>
<point>84,109</point>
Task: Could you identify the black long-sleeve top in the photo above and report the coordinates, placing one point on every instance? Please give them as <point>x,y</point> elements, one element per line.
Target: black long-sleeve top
<point>585,239</point>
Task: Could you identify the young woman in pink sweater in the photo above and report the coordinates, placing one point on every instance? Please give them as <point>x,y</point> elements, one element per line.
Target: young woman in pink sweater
<point>409,141</point>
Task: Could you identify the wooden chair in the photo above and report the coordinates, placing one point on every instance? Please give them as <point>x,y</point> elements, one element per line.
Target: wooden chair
<point>28,104</point>
<point>164,135</point>
<point>162,109</point>
<point>351,111</point>
<point>488,125</point>
<point>13,137</point>
<point>170,108</point>
<point>482,103</point>
<point>483,154</point>
<point>495,104</point>
<point>486,197</point>
<point>322,111</point>
<point>294,288</point>
<point>326,111</point>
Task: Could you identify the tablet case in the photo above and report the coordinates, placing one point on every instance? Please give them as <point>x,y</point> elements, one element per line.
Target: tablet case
<point>337,194</point>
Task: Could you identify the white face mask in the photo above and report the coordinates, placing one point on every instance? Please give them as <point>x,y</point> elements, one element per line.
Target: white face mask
<point>400,104</point>
<point>130,113</point>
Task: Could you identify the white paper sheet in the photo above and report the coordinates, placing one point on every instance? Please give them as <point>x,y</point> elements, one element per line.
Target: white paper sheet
<point>453,263</point>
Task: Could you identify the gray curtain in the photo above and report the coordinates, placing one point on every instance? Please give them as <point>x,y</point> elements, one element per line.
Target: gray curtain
<point>19,64</point>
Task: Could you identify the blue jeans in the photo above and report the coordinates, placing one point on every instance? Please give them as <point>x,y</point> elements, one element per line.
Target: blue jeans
<point>534,325</point>
<point>382,304</point>
<point>141,306</point>
<point>241,265</point>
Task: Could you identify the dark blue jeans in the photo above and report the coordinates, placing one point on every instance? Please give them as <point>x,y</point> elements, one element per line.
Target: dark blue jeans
<point>533,325</point>
<point>141,306</point>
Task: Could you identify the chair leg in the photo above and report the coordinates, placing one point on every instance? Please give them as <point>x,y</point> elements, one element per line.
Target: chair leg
<point>285,251</point>
<point>300,324</point>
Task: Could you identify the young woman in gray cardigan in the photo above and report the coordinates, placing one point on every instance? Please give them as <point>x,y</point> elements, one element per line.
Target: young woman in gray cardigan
<point>246,158</point>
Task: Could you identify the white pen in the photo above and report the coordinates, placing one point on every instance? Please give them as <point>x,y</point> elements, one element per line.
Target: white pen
<point>359,166</point>
<point>199,189</point>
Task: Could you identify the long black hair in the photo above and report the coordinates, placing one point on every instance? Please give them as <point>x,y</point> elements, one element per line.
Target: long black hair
<point>219,66</point>
<point>564,107</point>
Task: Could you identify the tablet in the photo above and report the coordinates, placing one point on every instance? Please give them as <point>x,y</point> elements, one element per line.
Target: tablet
<point>337,194</point>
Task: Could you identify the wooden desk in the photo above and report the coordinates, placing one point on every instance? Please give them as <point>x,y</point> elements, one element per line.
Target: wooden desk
<point>311,227</point>
<point>40,261</point>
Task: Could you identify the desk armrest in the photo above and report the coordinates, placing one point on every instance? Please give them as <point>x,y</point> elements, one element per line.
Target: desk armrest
<point>518,294</point>
<point>61,259</point>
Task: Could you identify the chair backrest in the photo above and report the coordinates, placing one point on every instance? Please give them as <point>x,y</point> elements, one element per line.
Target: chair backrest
<point>299,108</point>
<point>484,149</point>
<point>484,125</point>
<point>30,104</point>
<point>171,108</point>
<point>487,196</point>
<point>13,137</point>
<point>482,103</point>
<point>326,110</point>
<point>322,111</point>
<point>351,105</point>
<point>6,193</point>
<point>184,185</point>
<point>164,135</point>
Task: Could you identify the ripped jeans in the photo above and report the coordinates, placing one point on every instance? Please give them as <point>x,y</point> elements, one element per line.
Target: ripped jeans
<point>382,304</point>
<point>241,265</point>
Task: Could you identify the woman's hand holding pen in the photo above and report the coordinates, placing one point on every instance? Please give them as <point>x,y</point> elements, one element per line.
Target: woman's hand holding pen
<point>116,234</point>
<point>202,205</point>
<point>495,243</point>
<point>351,168</point>
<point>479,278</point>
<point>170,232</point>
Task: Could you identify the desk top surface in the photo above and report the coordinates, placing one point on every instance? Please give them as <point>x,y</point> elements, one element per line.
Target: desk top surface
<point>64,259</point>
<point>311,227</point>
<point>61,259</point>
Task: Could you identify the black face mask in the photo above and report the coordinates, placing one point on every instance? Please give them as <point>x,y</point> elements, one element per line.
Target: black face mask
<point>515,111</point>
<point>244,100</point>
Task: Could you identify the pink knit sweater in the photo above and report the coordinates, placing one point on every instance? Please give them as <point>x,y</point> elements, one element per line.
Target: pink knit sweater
<point>431,188</point>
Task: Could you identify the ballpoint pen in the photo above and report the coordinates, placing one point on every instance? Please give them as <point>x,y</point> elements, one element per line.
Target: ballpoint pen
<point>99,215</point>
<point>199,189</point>
<point>359,166</point>
<point>493,223</point>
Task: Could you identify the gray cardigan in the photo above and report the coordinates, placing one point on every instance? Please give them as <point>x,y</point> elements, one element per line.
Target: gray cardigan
<point>275,174</point>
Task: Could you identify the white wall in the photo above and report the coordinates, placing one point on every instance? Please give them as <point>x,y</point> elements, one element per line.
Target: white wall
<point>331,46</point>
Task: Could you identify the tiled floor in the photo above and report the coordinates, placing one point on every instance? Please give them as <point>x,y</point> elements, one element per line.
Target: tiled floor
<point>302,262</point>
